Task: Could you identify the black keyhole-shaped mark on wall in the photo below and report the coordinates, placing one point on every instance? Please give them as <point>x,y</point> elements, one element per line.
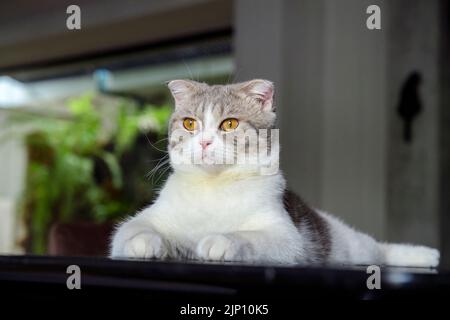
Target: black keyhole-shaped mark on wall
<point>410,105</point>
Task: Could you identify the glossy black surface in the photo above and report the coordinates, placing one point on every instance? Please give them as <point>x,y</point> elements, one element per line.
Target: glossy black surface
<point>175,283</point>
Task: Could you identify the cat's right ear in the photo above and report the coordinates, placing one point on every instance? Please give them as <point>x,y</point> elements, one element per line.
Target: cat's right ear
<point>181,89</point>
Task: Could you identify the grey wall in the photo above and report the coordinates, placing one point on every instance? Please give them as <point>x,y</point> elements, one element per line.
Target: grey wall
<point>444,132</point>
<point>413,197</point>
<point>337,88</point>
<point>329,74</point>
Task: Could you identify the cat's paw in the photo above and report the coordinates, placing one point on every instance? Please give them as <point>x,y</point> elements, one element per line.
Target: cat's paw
<point>145,245</point>
<point>224,248</point>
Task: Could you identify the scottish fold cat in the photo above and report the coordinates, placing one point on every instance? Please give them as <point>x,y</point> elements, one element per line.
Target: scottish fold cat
<point>226,199</point>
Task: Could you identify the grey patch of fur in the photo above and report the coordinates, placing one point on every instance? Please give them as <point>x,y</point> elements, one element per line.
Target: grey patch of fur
<point>225,101</point>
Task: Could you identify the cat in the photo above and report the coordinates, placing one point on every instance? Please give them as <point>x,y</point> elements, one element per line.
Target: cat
<point>228,211</point>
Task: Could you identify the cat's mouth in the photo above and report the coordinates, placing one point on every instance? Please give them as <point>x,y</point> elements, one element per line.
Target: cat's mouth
<point>208,158</point>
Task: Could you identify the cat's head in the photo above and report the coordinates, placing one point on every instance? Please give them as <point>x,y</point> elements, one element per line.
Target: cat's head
<point>217,128</point>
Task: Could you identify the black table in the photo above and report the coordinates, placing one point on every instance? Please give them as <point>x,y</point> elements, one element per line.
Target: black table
<point>173,285</point>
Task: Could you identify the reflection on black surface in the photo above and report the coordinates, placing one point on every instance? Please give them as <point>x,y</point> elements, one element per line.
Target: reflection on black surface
<point>30,276</point>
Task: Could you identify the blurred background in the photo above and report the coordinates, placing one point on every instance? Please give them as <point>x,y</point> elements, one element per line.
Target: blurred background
<point>364,114</point>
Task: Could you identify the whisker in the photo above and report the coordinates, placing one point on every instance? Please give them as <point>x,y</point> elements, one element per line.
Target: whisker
<point>191,76</point>
<point>163,172</point>
<point>159,159</point>
<point>158,166</point>
<point>167,138</point>
<point>154,147</point>
<point>235,75</point>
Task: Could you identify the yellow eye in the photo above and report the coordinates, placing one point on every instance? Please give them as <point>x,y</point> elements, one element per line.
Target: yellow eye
<point>189,124</point>
<point>229,124</point>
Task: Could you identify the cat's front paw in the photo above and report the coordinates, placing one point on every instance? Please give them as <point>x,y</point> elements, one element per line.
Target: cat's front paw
<point>224,248</point>
<point>145,245</point>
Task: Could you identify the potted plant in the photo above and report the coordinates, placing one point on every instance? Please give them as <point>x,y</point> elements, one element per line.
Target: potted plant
<point>84,172</point>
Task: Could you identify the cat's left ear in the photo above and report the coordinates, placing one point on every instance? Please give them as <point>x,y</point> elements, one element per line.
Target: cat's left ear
<point>262,91</point>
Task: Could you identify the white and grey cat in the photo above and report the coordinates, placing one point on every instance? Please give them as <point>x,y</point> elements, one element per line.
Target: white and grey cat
<point>233,212</point>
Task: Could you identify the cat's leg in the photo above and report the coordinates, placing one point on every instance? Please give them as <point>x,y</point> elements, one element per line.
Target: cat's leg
<point>137,238</point>
<point>274,245</point>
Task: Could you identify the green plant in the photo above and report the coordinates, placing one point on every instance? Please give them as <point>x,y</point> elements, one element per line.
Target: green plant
<point>64,153</point>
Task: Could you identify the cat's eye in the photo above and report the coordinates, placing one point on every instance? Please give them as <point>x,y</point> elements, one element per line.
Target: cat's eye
<point>189,124</point>
<point>229,124</point>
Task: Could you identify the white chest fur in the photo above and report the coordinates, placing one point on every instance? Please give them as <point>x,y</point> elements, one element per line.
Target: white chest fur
<point>189,208</point>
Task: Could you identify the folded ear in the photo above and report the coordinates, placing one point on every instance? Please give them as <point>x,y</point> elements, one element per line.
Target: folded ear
<point>182,89</point>
<point>261,90</point>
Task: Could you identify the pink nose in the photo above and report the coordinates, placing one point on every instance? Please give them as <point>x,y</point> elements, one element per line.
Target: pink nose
<point>205,143</point>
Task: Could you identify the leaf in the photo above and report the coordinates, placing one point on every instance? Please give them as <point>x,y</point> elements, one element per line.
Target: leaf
<point>114,167</point>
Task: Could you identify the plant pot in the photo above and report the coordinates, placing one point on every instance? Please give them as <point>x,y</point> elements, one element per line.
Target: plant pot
<point>79,239</point>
